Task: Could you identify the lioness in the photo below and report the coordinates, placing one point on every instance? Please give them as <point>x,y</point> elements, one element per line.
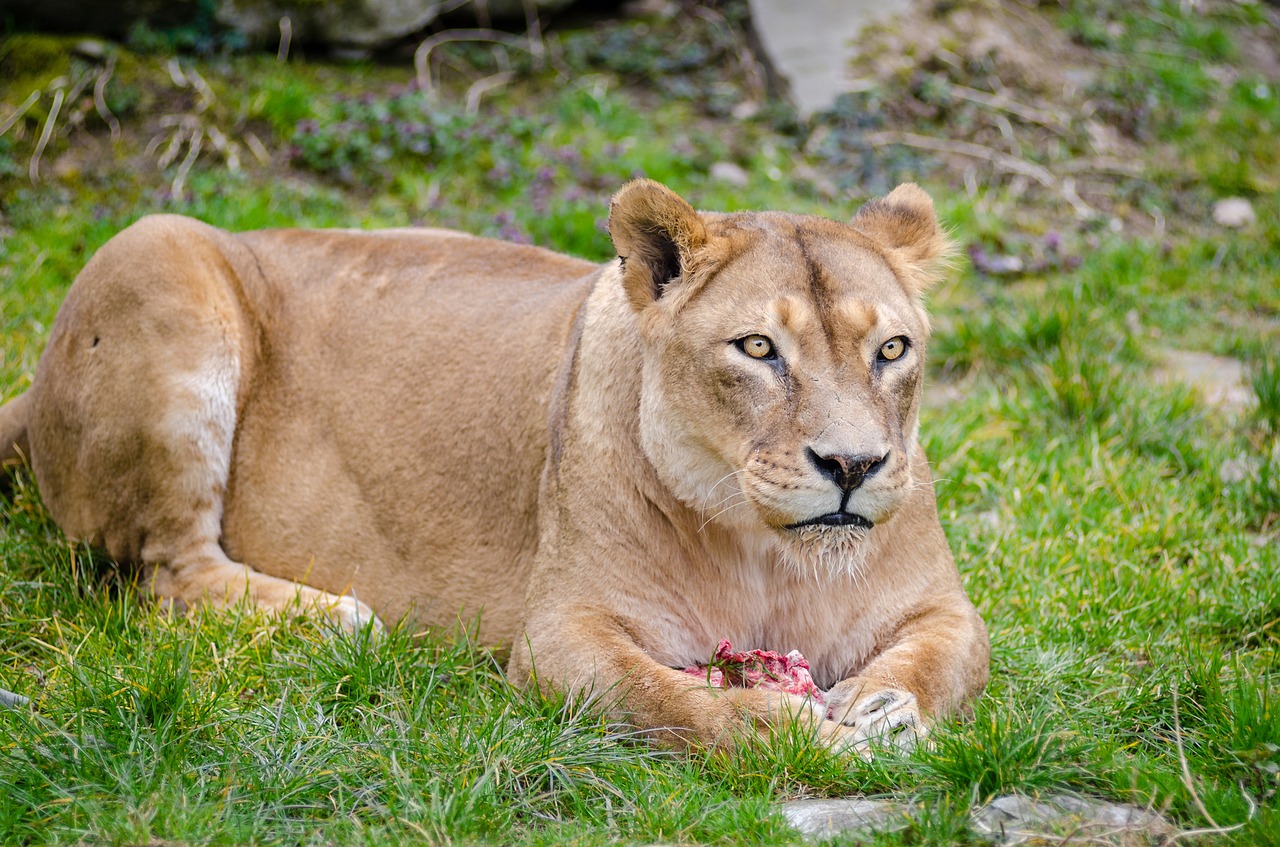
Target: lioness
<point>713,436</point>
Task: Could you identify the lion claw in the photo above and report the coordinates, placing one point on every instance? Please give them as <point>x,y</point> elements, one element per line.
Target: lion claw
<point>889,717</point>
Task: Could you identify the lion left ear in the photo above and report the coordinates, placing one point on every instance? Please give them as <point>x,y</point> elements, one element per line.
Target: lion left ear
<point>655,231</point>
<point>905,223</point>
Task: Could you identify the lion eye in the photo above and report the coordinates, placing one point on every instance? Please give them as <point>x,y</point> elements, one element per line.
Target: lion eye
<point>893,348</point>
<point>757,347</point>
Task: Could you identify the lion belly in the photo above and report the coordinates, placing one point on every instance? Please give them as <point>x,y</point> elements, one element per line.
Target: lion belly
<point>394,428</point>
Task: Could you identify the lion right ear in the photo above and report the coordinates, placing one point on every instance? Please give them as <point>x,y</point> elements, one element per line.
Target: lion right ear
<point>906,224</point>
<point>655,231</point>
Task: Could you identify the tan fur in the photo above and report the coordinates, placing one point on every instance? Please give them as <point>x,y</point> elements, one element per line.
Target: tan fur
<point>429,424</point>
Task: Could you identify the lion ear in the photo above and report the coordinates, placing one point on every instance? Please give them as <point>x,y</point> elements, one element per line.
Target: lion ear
<point>905,223</point>
<point>655,232</point>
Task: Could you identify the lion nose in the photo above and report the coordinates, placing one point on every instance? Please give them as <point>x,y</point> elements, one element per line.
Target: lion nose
<point>846,471</point>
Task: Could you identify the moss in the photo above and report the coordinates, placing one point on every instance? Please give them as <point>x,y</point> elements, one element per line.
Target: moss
<point>32,61</point>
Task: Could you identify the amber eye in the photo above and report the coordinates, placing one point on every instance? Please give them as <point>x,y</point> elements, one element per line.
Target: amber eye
<point>893,348</point>
<point>757,347</point>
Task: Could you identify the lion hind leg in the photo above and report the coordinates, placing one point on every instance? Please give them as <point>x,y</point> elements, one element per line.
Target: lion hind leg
<point>133,415</point>
<point>183,558</point>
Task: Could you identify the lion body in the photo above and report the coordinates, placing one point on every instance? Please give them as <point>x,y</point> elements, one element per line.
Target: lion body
<point>423,423</point>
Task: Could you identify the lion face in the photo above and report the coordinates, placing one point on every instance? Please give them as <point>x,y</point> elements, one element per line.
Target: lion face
<point>782,369</point>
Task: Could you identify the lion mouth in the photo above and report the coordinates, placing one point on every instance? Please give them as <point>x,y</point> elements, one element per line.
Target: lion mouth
<point>835,519</point>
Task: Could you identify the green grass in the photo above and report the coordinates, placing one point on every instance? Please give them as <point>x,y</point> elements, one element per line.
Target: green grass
<point>1132,588</point>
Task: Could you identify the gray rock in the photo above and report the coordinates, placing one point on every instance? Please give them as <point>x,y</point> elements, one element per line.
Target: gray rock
<point>1220,380</point>
<point>10,700</point>
<point>809,45</point>
<point>1239,469</point>
<point>345,23</point>
<point>1016,819</point>
<point>1234,212</point>
<point>827,818</point>
<point>1008,820</point>
<point>730,173</point>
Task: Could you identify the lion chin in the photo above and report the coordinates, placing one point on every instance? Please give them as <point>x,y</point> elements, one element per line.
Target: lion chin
<point>821,552</point>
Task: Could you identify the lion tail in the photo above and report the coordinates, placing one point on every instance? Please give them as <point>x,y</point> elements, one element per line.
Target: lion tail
<point>14,447</point>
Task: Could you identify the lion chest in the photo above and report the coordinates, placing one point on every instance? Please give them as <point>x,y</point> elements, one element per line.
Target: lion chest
<point>835,622</point>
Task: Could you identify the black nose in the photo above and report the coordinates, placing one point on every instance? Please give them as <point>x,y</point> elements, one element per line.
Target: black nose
<point>846,471</point>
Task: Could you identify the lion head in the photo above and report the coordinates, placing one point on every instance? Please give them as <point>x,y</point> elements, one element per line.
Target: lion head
<point>782,361</point>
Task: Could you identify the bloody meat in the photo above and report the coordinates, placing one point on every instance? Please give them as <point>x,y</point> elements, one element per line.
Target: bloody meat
<point>758,669</point>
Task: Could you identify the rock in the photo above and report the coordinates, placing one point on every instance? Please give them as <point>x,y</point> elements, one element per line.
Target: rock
<point>1010,819</point>
<point>1234,212</point>
<point>1016,819</point>
<point>1239,469</point>
<point>808,45</point>
<point>9,700</point>
<point>730,173</point>
<point>345,24</point>
<point>828,818</point>
<point>1219,380</point>
<point>91,48</point>
<point>349,24</point>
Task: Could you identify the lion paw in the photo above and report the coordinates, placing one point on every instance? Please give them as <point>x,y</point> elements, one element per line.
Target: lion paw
<point>888,717</point>
<point>348,614</point>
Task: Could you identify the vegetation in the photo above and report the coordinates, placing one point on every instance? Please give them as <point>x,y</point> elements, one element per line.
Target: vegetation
<point>1118,532</point>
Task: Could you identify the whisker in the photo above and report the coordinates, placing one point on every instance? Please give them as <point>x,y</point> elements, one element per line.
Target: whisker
<point>703,506</point>
<point>730,507</point>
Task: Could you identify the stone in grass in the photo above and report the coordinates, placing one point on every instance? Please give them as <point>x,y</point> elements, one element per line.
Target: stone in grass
<point>728,172</point>
<point>1017,819</point>
<point>1008,820</point>
<point>1234,212</point>
<point>829,818</point>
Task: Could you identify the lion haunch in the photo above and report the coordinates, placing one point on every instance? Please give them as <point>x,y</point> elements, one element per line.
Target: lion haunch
<point>611,468</point>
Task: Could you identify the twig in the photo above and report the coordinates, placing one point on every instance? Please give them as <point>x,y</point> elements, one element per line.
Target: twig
<point>258,149</point>
<point>483,86</point>
<point>31,100</point>
<point>176,74</point>
<point>100,99</point>
<point>422,56</point>
<point>207,97</point>
<point>1102,165</point>
<point>34,170</point>
<point>533,28</point>
<point>286,38</point>
<point>1182,760</point>
<point>1052,120</point>
<point>193,151</point>
<point>966,148</point>
<point>1083,210</point>
<point>1214,828</point>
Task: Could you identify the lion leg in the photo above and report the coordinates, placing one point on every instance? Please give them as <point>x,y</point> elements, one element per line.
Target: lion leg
<point>938,661</point>
<point>590,652</point>
<point>133,415</point>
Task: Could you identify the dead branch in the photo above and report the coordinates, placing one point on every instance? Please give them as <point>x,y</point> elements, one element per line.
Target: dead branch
<point>422,56</point>
<point>482,86</point>
<point>33,171</point>
<point>1213,828</point>
<point>969,149</point>
<point>1054,120</point>
<point>100,99</point>
<point>32,99</point>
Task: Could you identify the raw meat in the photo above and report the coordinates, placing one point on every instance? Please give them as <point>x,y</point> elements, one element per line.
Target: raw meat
<point>758,669</point>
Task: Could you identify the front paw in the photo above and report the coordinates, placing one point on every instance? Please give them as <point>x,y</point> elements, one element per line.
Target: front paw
<point>883,717</point>
<point>348,614</point>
